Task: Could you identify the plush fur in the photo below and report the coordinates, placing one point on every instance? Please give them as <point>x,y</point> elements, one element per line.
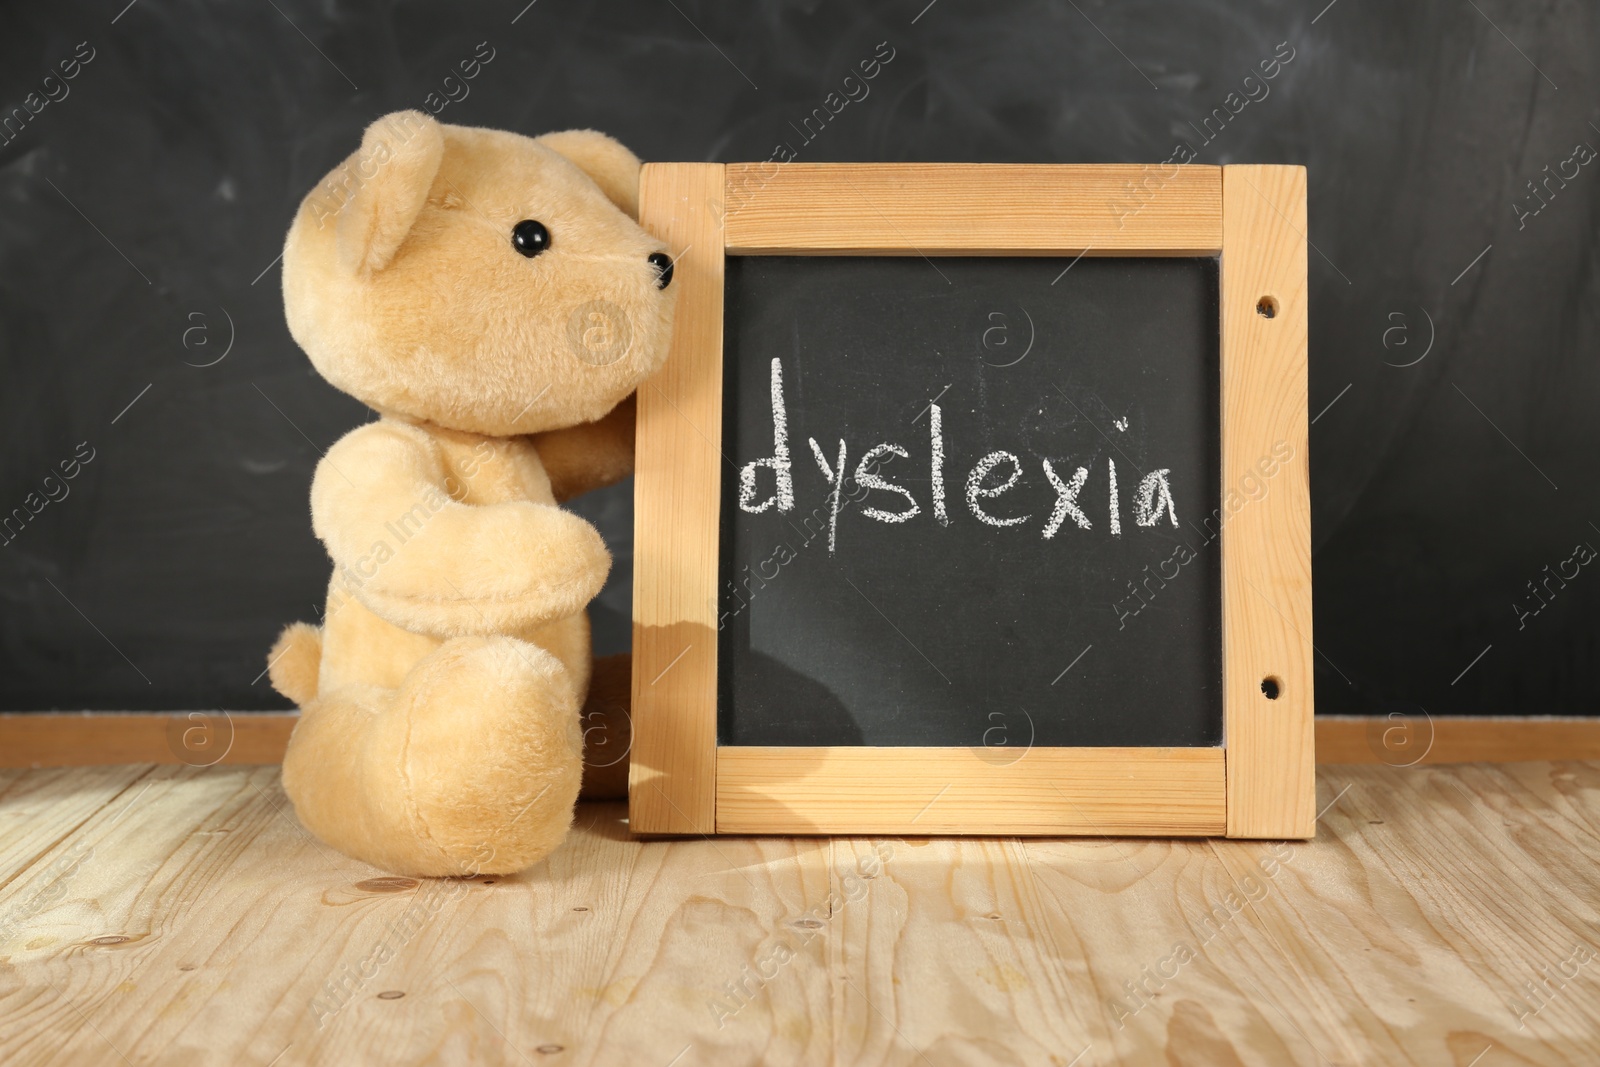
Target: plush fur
<point>439,730</point>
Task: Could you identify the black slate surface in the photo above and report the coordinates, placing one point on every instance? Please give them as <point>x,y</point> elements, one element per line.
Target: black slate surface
<point>973,603</point>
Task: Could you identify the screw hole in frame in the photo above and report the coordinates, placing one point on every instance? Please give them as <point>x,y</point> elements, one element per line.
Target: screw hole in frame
<point>1271,687</point>
<point>1267,307</point>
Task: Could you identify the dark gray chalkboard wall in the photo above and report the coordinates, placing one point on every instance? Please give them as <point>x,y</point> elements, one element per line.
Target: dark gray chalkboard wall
<point>143,212</point>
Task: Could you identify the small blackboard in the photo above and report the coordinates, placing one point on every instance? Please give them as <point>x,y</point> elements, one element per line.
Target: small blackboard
<point>1050,582</point>
<point>974,499</point>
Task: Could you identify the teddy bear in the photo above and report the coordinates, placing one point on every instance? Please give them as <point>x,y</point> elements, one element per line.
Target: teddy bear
<point>492,297</point>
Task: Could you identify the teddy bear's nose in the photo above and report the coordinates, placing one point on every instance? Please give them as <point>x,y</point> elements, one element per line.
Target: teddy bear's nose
<point>663,265</point>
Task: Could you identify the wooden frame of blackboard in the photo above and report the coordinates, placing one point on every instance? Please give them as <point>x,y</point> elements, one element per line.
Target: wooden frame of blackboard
<point>1259,783</point>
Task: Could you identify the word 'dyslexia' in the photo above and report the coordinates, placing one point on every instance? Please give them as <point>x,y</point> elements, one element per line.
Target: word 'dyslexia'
<point>1152,498</point>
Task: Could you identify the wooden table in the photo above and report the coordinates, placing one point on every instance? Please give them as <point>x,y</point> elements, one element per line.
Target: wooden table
<point>1443,915</point>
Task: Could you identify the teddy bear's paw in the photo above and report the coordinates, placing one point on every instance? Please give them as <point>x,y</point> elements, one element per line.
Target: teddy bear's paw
<point>494,754</point>
<point>489,569</point>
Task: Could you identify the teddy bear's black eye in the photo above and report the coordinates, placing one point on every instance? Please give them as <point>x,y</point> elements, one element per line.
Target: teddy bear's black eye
<point>530,237</point>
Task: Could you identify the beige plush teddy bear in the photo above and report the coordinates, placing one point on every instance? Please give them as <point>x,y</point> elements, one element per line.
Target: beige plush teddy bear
<point>492,297</point>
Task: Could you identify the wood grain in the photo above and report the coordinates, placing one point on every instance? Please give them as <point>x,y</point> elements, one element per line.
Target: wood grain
<point>1265,517</point>
<point>946,209</point>
<point>44,808</point>
<point>188,920</point>
<point>970,791</point>
<point>677,485</point>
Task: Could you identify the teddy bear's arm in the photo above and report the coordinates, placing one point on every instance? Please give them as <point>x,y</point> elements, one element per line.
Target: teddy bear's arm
<point>428,563</point>
<point>589,456</point>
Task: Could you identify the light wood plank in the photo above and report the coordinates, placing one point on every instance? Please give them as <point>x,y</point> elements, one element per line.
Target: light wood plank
<point>676,515</point>
<point>723,908</point>
<point>1266,541</point>
<point>192,870</point>
<point>967,919</point>
<point>611,953</point>
<point>1407,938</point>
<point>1353,948</point>
<point>38,811</point>
<point>964,791</point>
<point>1117,910</point>
<point>946,209</point>
<point>1400,935</point>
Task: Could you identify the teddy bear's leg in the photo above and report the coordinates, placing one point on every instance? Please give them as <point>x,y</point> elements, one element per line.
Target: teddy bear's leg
<point>471,766</point>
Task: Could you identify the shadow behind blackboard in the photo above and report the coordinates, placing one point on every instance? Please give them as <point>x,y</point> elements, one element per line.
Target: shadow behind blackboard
<point>968,634</point>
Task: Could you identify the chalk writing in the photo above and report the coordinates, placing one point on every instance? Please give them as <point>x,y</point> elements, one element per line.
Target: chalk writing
<point>994,475</point>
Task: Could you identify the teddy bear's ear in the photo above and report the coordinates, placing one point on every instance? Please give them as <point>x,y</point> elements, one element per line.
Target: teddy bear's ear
<point>392,173</point>
<point>614,169</point>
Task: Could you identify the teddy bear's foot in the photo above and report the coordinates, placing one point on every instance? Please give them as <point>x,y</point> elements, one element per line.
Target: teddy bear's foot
<point>471,767</point>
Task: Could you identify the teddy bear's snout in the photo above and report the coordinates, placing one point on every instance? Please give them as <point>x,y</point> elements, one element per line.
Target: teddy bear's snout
<point>663,265</point>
